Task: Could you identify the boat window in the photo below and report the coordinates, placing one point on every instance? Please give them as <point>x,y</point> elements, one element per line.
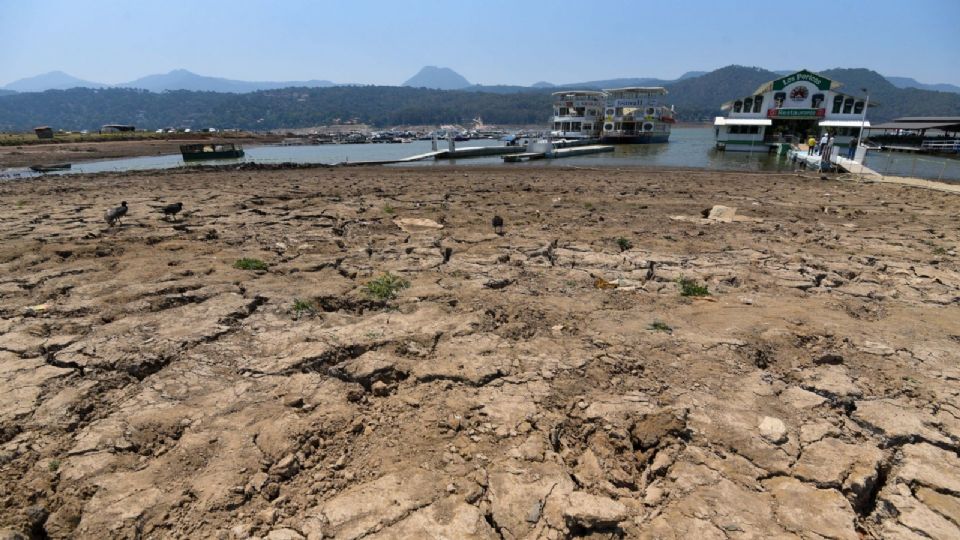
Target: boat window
<point>580,111</point>
<point>778,99</point>
<point>735,130</point>
<point>616,126</point>
<point>837,103</point>
<point>817,101</point>
<point>757,102</point>
<point>575,126</point>
<point>847,106</point>
<point>619,111</point>
<point>747,105</point>
<point>587,127</point>
<point>556,126</point>
<point>564,111</point>
<point>754,130</point>
<point>858,108</point>
<point>737,105</point>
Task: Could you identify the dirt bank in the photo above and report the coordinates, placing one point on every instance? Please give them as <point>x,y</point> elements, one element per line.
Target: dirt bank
<point>47,154</point>
<point>551,382</point>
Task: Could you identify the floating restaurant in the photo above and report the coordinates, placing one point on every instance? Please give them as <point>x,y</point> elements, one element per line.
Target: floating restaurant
<point>631,115</point>
<point>791,109</point>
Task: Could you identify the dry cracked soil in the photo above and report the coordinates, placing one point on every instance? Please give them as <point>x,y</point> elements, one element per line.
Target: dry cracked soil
<point>549,382</point>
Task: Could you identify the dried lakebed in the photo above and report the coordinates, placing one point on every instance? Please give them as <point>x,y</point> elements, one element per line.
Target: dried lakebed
<point>551,382</point>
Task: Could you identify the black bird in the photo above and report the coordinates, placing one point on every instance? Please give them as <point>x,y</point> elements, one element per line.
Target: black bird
<point>172,209</point>
<point>498,225</point>
<point>114,214</point>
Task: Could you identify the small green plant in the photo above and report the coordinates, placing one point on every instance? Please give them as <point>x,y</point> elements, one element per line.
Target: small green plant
<point>386,286</point>
<point>303,306</point>
<point>660,326</point>
<point>939,250</point>
<point>588,206</point>
<point>689,287</point>
<point>250,264</point>
<point>387,209</point>
<point>624,244</point>
<point>21,203</point>
<point>53,465</point>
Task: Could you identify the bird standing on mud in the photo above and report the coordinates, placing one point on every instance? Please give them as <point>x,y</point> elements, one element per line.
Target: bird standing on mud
<point>498,225</point>
<point>172,209</point>
<point>114,214</point>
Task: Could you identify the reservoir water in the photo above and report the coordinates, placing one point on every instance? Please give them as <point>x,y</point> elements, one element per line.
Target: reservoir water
<point>688,148</point>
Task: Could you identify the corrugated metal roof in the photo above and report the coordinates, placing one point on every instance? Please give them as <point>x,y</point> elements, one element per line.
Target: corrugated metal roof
<point>955,126</point>
<point>843,123</point>
<point>724,121</point>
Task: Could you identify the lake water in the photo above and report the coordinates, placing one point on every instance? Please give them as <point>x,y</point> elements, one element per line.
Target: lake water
<point>688,147</point>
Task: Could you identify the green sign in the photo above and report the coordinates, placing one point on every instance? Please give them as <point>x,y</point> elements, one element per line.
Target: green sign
<point>820,82</point>
<point>795,113</point>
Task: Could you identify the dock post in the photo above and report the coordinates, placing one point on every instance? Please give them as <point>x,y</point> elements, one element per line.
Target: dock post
<point>452,144</point>
<point>433,145</point>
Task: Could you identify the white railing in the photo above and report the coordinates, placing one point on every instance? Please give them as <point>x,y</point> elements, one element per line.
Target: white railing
<point>953,145</point>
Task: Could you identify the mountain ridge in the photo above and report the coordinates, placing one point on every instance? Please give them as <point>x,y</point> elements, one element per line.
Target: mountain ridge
<point>437,78</point>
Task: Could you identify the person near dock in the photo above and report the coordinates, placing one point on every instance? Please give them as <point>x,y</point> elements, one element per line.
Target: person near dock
<point>823,143</point>
<point>852,149</point>
<point>811,145</point>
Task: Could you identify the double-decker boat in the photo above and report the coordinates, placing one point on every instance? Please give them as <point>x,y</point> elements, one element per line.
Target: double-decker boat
<point>577,114</point>
<point>634,115</point>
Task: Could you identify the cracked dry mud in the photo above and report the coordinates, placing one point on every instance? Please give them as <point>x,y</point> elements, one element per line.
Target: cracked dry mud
<point>149,389</point>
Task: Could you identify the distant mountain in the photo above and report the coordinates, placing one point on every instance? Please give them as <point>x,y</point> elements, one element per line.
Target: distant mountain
<point>907,82</point>
<point>542,84</point>
<point>6,92</point>
<point>55,80</point>
<point>616,83</point>
<point>699,98</point>
<point>437,78</point>
<point>691,74</point>
<point>181,79</point>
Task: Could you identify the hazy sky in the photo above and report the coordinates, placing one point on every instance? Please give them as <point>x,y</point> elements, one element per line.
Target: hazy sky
<point>487,41</point>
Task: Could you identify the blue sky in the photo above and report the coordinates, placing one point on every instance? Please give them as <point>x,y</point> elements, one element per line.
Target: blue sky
<point>488,41</point>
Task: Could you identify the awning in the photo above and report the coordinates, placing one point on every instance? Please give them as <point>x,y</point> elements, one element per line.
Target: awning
<point>844,123</point>
<point>918,125</point>
<point>724,121</point>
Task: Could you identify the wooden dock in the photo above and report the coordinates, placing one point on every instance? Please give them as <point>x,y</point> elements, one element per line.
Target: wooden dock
<point>559,153</point>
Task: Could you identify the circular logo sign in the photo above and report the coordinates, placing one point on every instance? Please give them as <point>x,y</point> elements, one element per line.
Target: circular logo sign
<point>799,93</point>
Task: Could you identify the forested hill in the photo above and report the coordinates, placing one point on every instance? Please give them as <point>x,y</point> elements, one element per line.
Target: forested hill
<point>696,99</point>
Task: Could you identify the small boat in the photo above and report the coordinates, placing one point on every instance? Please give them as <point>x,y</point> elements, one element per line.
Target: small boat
<point>197,152</point>
<point>50,168</point>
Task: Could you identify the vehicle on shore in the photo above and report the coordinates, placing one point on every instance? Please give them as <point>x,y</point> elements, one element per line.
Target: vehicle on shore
<point>200,152</point>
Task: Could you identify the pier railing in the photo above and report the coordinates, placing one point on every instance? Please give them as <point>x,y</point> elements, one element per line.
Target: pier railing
<point>942,146</point>
<point>916,166</point>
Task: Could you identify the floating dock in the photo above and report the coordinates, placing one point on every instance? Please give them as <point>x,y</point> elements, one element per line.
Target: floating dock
<point>559,153</point>
<point>842,163</point>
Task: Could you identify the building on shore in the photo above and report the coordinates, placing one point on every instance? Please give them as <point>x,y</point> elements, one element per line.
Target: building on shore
<point>790,110</point>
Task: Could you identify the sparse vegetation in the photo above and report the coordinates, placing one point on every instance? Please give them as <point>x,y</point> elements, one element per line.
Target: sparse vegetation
<point>939,250</point>
<point>589,206</point>
<point>386,286</point>
<point>624,244</point>
<point>689,287</point>
<point>250,264</point>
<point>301,306</point>
<point>21,203</point>
<point>660,326</point>
<point>387,209</point>
<point>53,465</point>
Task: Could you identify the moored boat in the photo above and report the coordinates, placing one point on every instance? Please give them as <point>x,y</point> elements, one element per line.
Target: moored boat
<point>634,115</point>
<point>577,114</point>
<point>198,152</point>
<point>50,168</point>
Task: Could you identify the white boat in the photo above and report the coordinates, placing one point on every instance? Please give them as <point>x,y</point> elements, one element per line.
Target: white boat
<point>635,115</point>
<point>788,110</point>
<point>577,114</point>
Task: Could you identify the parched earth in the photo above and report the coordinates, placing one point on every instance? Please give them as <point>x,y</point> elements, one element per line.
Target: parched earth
<point>551,382</point>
